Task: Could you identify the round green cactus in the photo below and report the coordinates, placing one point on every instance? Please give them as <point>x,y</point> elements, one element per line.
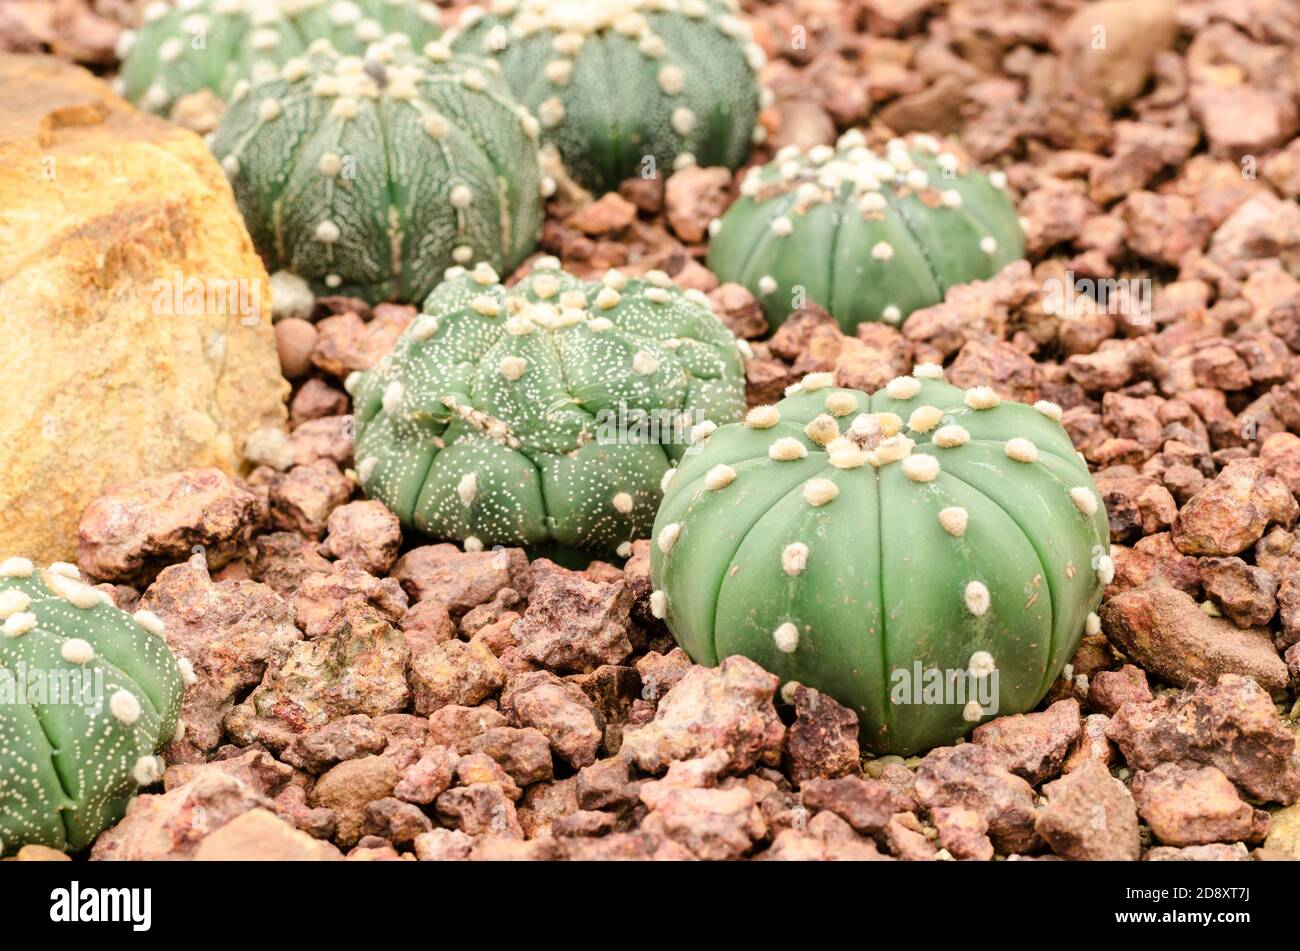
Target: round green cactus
<point>211,45</point>
<point>625,87</point>
<point>867,237</point>
<point>546,412</point>
<point>370,178</point>
<point>879,547</point>
<point>88,696</point>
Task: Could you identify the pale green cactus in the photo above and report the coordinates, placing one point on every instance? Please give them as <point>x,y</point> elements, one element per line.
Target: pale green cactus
<point>846,540</point>
<point>196,45</point>
<point>371,177</point>
<point>544,412</point>
<point>626,87</point>
<point>868,237</point>
<point>88,697</point>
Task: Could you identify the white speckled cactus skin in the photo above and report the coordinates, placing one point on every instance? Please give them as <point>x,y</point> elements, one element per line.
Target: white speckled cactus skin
<point>489,423</point>
<point>70,764</point>
<point>194,45</point>
<point>370,178</point>
<point>839,537</point>
<point>869,237</point>
<point>615,81</point>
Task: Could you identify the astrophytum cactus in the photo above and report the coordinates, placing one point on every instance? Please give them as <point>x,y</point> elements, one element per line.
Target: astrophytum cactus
<point>927,556</point>
<point>626,87</point>
<point>868,237</point>
<point>196,45</point>
<point>545,412</point>
<point>88,696</point>
<point>371,177</point>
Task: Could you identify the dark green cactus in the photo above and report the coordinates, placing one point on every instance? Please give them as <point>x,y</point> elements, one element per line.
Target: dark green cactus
<point>370,178</point>
<point>865,236</point>
<point>196,45</point>
<point>88,696</point>
<point>839,539</point>
<point>545,412</point>
<point>626,87</point>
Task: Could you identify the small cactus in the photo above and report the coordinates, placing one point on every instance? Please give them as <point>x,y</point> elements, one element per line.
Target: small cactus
<point>88,696</point>
<point>545,412</point>
<point>626,87</point>
<point>197,45</point>
<point>845,541</point>
<point>371,177</point>
<point>867,237</point>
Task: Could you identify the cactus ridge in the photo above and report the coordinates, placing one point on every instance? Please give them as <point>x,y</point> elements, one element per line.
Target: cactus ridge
<point>837,538</point>
<point>196,45</point>
<point>371,177</point>
<point>546,412</point>
<point>869,237</point>
<point>617,82</point>
<point>90,695</point>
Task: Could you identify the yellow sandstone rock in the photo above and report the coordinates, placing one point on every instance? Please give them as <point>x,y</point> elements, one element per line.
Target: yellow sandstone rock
<point>135,316</point>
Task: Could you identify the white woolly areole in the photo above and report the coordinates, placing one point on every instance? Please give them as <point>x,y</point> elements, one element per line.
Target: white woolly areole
<point>702,431</point>
<point>624,550</point>
<point>472,543</point>
<point>928,371</point>
<point>366,468</point>
<point>954,520</point>
<point>644,363</point>
<point>1084,499</point>
<point>982,397</point>
<point>424,327</point>
<point>972,712</point>
<point>817,492</point>
<point>19,623</point>
<point>1049,409</point>
<point>150,622</point>
<point>762,417</point>
<point>668,477</point>
<point>951,436</point>
<point>794,559</point>
<point>1106,569</point>
<point>392,401</point>
<point>622,502</point>
<point>1092,625</point>
<point>1021,450</point>
<point>512,368</point>
<point>843,453</point>
<point>787,449</point>
<point>13,601</point>
<point>178,734</point>
<point>77,651</point>
<point>16,568</point>
<point>817,381</point>
<point>124,706</point>
<point>981,664</point>
<point>882,251</point>
<point>924,419</point>
<point>822,429</point>
<point>786,638</point>
<point>668,536</point>
<point>467,488</point>
<point>841,403</point>
<point>66,569</point>
<point>902,387</point>
<point>921,468</point>
<point>146,771</point>
<point>719,477</point>
<point>976,596</point>
<point>659,604</point>
<point>188,677</point>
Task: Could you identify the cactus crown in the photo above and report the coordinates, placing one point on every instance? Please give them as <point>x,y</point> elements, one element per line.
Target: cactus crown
<point>210,45</point>
<point>371,177</point>
<point>623,87</point>
<point>88,696</point>
<point>549,411</point>
<point>839,538</point>
<point>876,236</point>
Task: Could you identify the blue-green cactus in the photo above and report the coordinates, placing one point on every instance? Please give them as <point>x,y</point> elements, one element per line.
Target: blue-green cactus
<point>616,83</point>
<point>869,237</point>
<point>196,45</point>
<point>88,697</point>
<point>371,177</point>
<point>544,412</point>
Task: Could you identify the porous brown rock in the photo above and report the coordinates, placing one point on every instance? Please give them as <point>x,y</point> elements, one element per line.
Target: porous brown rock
<point>1195,806</point>
<point>573,624</point>
<point>975,777</point>
<point>823,740</point>
<point>461,580</point>
<point>1033,745</point>
<point>1090,815</point>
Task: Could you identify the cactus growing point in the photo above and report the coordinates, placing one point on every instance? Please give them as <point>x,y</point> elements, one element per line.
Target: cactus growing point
<point>844,540</point>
